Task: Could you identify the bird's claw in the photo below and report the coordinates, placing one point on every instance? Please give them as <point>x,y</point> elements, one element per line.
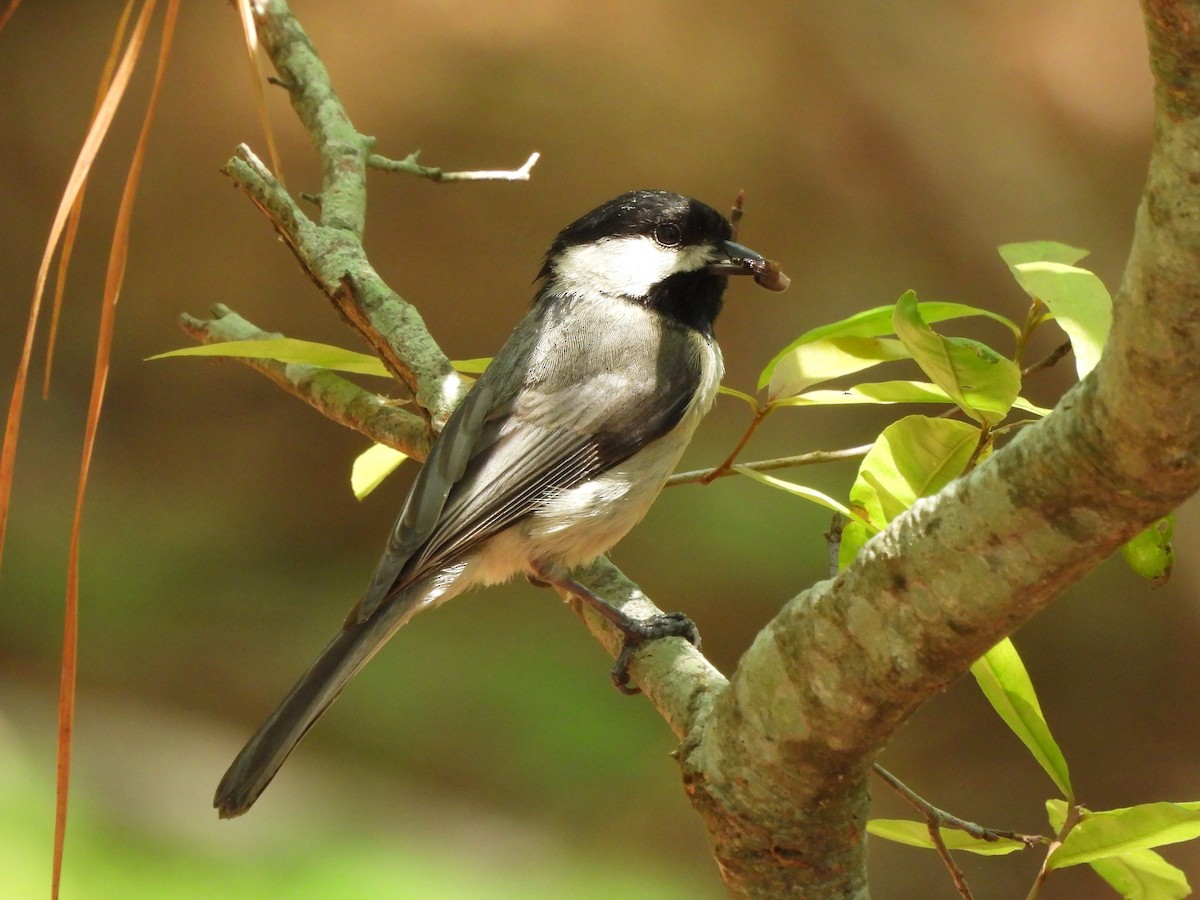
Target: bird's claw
<point>637,632</point>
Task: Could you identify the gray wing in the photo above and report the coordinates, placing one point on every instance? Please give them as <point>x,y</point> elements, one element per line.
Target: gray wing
<point>553,415</point>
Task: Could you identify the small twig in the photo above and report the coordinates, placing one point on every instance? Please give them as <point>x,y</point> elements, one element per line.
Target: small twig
<point>949,820</point>
<point>933,821</point>
<point>981,446</point>
<point>1050,359</point>
<point>331,395</point>
<point>704,476</point>
<point>1069,822</point>
<point>760,416</point>
<point>833,542</point>
<point>410,165</point>
<point>936,819</point>
<point>1034,318</point>
<point>956,874</point>
<point>735,214</point>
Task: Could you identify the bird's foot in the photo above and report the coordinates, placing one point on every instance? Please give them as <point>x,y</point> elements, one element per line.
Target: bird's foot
<point>638,631</point>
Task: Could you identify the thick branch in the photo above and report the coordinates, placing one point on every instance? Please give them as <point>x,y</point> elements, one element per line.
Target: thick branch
<point>845,663</point>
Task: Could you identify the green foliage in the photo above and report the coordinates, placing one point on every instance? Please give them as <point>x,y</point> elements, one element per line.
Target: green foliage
<point>1116,844</point>
<point>914,457</point>
<point>373,465</point>
<point>918,455</point>
<point>979,380</point>
<point>1005,682</point>
<point>290,350</point>
<point>1077,299</point>
<point>1150,552</point>
<point>916,834</point>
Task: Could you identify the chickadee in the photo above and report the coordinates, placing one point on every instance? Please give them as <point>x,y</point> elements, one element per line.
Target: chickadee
<point>557,451</point>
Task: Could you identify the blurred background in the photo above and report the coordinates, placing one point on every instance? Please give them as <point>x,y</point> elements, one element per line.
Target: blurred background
<point>484,754</point>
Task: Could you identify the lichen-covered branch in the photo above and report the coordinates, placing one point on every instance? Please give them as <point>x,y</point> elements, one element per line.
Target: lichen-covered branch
<point>331,395</point>
<point>331,251</point>
<point>672,673</point>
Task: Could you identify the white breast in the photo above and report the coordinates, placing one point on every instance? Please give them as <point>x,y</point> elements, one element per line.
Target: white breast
<point>582,523</point>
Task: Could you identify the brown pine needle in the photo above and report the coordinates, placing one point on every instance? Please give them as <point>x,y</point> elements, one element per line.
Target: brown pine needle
<point>250,34</point>
<point>8,12</point>
<point>68,243</point>
<point>83,165</point>
<point>112,289</point>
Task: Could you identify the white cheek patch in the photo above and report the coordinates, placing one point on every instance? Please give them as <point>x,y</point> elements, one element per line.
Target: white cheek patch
<point>627,266</point>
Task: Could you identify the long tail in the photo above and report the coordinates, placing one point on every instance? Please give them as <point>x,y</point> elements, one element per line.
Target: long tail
<point>317,688</point>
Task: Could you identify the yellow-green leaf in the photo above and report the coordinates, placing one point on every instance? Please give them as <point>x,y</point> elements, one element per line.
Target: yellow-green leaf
<point>871,392</point>
<point>982,382</point>
<point>913,457</point>
<point>1005,682</point>
<point>916,834</point>
<point>1116,832</point>
<point>1079,302</point>
<point>471,366</point>
<point>876,322</point>
<point>745,398</point>
<point>1151,553</point>
<point>1040,251</point>
<point>290,350</point>
<point>1143,875</point>
<point>373,465</point>
<point>800,490</point>
<point>827,358</point>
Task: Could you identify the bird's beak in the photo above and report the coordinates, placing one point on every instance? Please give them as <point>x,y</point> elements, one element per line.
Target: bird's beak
<point>734,259</point>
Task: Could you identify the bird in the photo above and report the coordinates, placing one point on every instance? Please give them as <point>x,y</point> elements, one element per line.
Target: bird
<point>558,449</point>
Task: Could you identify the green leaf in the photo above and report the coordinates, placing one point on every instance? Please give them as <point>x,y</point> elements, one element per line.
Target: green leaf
<point>1151,553</point>
<point>854,537</point>
<point>916,834</point>
<point>310,353</point>
<point>1116,832</point>
<point>373,465</point>
<point>1079,303</point>
<point>885,392</point>
<point>1022,403</point>
<point>800,490</point>
<point>1005,682</point>
<point>827,358</point>
<point>732,392</point>
<point>982,382</point>
<point>913,457</point>
<point>1143,875</point>
<point>871,392</point>
<point>876,322</point>
<point>1137,874</point>
<point>290,350</point>
<point>1040,251</point>
<point>471,366</point>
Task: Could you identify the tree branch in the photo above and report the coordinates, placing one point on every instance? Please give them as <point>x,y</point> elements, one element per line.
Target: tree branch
<point>673,675</point>
<point>332,253</point>
<point>331,395</point>
<point>410,165</point>
<point>781,760</point>
<point>776,759</point>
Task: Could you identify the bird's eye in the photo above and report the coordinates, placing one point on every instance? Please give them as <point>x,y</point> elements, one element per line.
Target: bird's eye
<point>668,234</point>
